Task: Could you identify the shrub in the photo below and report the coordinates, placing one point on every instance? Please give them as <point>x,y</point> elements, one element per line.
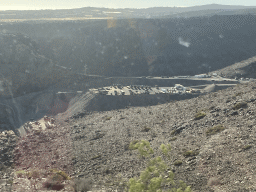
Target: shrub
<point>240,105</point>
<point>142,146</point>
<point>200,115</point>
<point>132,144</point>
<point>165,149</point>
<point>55,179</point>
<point>155,177</point>
<point>178,163</point>
<point>215,130</point>
<point>190,153</point>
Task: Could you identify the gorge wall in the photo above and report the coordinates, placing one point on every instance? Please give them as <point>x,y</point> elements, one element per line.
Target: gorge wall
<point>141,47</point>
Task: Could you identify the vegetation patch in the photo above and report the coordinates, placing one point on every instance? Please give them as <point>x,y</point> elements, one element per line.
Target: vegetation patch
<point>173,139</point>
<point>132,145</point>
<point>214,130</point>
<point>200,115</point>
<point>247,147</point>
<point>165,149</point>
<point>177,131</point>
<point>143,147</point>
<point>108,118</point>
<point>156,176</point>
<point>61,173</point>
<point>240,105</point>
<point>178,163</point>
<point>21,173</point>
<point>190,153</point>
<point>55,180</point>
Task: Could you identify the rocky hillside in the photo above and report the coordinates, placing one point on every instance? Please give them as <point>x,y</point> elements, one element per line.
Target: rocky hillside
<point>212,140</point>
<point>212,137</point>
<point>242,69</point>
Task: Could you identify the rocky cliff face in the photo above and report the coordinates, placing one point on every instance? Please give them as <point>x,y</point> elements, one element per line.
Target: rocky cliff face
<point>134,47</point>
<point>23,68</point>
<point>24,73</point>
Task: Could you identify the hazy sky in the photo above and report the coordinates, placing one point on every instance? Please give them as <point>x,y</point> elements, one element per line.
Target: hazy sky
<point>60,4</point>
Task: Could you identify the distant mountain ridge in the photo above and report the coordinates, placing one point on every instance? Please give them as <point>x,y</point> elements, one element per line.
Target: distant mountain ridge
<point>119,13</point>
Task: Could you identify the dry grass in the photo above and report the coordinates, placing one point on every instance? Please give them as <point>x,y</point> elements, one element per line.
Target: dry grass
<point>215,130</point>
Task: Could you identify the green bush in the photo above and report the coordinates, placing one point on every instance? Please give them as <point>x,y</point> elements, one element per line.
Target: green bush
<point>132,145</point>
<point>155,176</point>
<point>165,149</point>
<point>142,146</point>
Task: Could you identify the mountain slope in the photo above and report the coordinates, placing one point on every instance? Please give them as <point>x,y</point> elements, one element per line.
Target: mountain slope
<point>224,161</point>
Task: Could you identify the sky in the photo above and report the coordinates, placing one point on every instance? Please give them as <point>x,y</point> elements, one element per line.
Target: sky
<point>67,4</point>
